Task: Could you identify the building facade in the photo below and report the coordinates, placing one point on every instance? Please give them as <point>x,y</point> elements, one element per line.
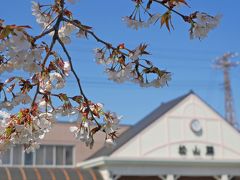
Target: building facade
<point>183,139</point>
<point>56,159</point>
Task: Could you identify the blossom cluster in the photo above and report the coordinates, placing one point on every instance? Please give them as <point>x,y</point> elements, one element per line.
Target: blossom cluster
<point>202,24</point>
<point>84,133</point>
<point>87,113</point>
<point>135,20</point>
<point>44,19</point>
<point>48,70</point>
<point>27,127</point>
<point>136,69</point>
<point>136,24</point>
<point>18,53</point>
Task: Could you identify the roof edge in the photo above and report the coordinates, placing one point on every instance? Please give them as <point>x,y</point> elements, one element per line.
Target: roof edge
<point>142,124</point>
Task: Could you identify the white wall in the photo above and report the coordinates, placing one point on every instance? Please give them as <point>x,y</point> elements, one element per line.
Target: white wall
<point>163,138</point>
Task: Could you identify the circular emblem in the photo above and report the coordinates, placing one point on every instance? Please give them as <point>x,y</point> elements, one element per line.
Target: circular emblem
<point>196,126</point>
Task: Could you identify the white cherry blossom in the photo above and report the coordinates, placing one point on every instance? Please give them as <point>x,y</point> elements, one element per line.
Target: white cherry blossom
<point>19,42</point>
<point>35,55</point>
<point>81,133</point>
<point>57,80</point>
<point>21,98</point>
<point>132,23</point>
<point>112,122</point>
<point>100,57</point>
<point>66,110</point>
<point>44,121</point>
<point>65,32</point>
<point>66,68</point>
<point>32,147</point>
<point>110,143</point>
<point>32,67</point>
<point>41,18</point>
<point>6,105</point>
<point>121,75</point>
<point>203,24</point>
<point>158,82</point>
<point>137,24</point>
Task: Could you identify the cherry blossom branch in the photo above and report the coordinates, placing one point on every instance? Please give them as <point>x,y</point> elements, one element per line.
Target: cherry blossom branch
<point>44,62</point>
<point>54,38</point>
<point>109,45</point>
<point>76,77</point>
<point>125,70</point>
<point>35,95</point>
<point>46,58</point>
<point>185,18</point>
<point>43,34</point>
<point>120,63</point>
<point>72,69</point>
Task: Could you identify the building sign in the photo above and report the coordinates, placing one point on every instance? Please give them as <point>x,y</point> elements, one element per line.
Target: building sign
<point>182,149</point>
<point>196,151</point>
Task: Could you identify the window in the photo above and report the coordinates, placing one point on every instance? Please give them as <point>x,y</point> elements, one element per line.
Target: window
<point>64,155</point>
<point>5,157</point>
<point>17,154</point>
<point>50,155</point>
<point>59,155</point>
<point>40,156</point>
<point>69,155</point>
<point>28,158</point>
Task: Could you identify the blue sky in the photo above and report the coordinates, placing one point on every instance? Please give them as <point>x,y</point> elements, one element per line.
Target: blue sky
<point>190,61</point>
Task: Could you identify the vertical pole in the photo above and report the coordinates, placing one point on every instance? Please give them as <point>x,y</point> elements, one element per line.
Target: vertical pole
<point>225,64</point>
<point>229,113</point>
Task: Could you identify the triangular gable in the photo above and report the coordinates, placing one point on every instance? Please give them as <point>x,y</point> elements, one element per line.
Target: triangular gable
<point>162,132</point>
<point>144,123</point>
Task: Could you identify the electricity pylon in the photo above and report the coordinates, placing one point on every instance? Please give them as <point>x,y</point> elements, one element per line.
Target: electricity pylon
<point>225,64</point>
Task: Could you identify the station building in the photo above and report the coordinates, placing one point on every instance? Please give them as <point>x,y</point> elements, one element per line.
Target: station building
<point>183,139</point>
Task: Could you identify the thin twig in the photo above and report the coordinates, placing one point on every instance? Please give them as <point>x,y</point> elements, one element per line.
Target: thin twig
<point>76,77</point>
<point>94,36</point>
<point>55,28</point>
<point>44,62</point>
<point>171,9</point>
<point>43,34</point>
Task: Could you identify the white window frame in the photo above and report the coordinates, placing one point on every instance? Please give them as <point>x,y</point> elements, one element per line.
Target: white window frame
<point>22,163</point>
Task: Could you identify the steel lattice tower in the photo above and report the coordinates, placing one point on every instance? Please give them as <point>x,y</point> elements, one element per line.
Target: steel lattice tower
<point>225,64</point>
